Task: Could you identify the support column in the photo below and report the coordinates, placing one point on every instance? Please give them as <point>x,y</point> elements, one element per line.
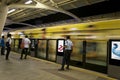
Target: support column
<point>3,16</point>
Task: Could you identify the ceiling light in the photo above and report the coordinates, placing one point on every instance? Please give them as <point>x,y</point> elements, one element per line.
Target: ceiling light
<point>28,2</point>
<point>12,10</point>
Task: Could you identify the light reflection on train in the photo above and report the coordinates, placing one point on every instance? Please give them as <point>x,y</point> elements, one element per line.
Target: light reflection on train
<point>95,34</point>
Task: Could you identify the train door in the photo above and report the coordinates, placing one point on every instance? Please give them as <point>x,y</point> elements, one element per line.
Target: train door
<point>96,55</point>
<point>16,45</point>
<point>42,44</point>
<point>90,54</point>
<point>77,54</point>
<point>13,45</point>
<point>52,49</point>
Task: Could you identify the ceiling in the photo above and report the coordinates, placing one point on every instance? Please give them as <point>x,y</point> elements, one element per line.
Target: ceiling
<point>23,14</point>
<point>58,10</point>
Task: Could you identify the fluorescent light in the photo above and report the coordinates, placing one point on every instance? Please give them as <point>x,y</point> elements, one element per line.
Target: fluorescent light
<point>12,10</point>
<point>28,2</point>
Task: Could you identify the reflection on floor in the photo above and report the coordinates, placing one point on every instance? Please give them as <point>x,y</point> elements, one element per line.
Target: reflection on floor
<point>98,62</point>
<point>37,69</point>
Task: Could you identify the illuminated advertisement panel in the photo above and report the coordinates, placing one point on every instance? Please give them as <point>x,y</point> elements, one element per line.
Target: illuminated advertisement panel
<point>114,52</point>
<point>60,45</point>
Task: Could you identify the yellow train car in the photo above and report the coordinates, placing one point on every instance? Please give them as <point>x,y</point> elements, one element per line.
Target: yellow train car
<point>92,30</point>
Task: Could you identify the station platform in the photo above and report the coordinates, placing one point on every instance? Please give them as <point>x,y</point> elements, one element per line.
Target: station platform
<point>38,69</point>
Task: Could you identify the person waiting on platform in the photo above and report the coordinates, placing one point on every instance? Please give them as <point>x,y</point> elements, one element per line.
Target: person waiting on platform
<point>26,44</point>
<point>8,46</point>
<point>68,50</point>
<point>2,46</point>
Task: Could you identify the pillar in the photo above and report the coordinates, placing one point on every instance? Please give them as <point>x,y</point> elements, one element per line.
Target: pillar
<point>3,16</point>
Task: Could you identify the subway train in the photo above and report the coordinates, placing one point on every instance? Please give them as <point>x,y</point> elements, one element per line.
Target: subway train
<point>89,39</point>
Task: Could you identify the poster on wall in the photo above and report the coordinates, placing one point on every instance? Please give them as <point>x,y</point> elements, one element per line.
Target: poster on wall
<point>115,50</point>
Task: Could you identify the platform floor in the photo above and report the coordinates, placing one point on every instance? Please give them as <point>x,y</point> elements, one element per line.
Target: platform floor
<point>38,69</point>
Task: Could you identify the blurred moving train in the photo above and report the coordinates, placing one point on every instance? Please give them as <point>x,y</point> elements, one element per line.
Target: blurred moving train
<point>94,34</point>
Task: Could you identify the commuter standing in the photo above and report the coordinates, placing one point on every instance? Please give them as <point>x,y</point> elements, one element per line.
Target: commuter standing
<point>2,46</point>
<point>68,50</point>
<point>8,46</point>
<point>25,50</point>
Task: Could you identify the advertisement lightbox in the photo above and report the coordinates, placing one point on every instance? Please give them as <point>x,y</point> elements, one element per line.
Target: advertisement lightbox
<point>114,51</point>
<point>60,47</point>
